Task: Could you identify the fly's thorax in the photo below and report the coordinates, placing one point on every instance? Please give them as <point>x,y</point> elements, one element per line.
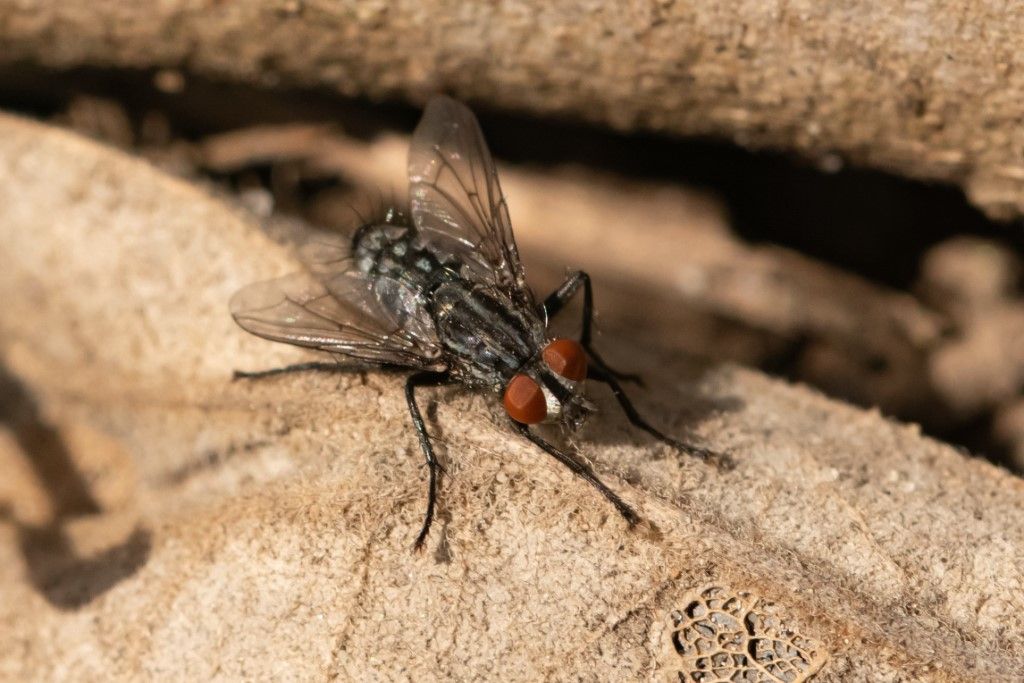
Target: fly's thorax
<point>486,337</point>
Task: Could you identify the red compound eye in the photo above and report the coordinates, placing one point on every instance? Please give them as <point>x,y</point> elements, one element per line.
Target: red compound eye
<point>567,358</point>
<point>524,400</point>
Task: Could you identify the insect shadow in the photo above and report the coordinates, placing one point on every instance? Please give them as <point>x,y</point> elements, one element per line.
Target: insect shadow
<point>667,379</point>
<point>64,579</point>
<point>437,288</point>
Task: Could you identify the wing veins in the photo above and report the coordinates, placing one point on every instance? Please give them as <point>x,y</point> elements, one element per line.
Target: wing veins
<point>482,220</point>
<point>474,196</point>
<point>450,199</point>
<point>458,213</point>
<point>306,307</point>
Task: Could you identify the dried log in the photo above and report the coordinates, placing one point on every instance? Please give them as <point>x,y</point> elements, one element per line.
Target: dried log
<point>929,90</point>
<point>262,529</point>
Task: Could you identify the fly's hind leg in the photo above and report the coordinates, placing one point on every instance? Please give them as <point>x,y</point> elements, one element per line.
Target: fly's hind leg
<point>425,379</point>
<point>582,470</point>
<point>557,300</point>
<point>314,366</point>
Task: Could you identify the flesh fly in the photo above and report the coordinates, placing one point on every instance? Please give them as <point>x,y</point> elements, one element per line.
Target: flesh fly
<point>437,287</point>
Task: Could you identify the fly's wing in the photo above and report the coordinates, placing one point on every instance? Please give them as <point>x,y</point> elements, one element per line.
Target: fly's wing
<point>340,315</point>
<point>396,304</point>
<point>456,201</point>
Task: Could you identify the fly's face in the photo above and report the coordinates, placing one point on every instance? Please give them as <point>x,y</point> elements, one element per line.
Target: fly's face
<point>550,388</point>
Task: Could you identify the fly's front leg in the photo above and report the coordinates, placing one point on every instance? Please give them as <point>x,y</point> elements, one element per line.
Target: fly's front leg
<point>557,300</point>
<point>638,421</point>
<point>425,379</point>
<point>581,469</point>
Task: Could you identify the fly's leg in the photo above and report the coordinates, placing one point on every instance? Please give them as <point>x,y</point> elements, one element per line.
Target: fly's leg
<point>601,375</point>
<point>425,379</point>
<point>417,380</point>
<point>557,300</point>
<point>600,371</point>
<point>581,469</point>
<point>313,366</point>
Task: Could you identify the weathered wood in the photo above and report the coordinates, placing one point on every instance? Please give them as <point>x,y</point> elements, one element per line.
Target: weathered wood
<point>930,90</point>
<point>263,529</point>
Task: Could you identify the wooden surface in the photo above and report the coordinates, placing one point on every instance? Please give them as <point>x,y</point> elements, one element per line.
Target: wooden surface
<point>162,521</point>
<point>929,90</point>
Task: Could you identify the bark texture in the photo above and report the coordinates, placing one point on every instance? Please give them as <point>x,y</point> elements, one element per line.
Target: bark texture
<point>927,89</point>
<point>161,520</point>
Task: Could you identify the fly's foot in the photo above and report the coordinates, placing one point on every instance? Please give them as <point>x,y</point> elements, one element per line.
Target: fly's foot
<point>630,515</point>
<point>722,461</point>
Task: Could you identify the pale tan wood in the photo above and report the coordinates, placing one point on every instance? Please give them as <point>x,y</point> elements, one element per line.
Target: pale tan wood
<point>928,89</point>
<point>262,530</point>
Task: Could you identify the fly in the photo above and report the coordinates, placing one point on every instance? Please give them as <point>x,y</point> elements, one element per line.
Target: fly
<point>439,289</point>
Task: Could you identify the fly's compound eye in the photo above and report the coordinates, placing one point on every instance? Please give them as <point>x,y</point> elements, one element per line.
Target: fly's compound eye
<point>524,400</point>
<point>567,358</point>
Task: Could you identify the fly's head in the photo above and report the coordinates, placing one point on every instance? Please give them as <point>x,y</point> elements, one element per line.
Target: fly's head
<point>550,387</point>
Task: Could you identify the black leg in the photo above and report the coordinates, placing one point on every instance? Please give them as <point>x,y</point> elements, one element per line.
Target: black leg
<point>425,379</point>
<point>581,469</point>
<point>637,421</point>
<point>314,366</point>
<point>557,300</point>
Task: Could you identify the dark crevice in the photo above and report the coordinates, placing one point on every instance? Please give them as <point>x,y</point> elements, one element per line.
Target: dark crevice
<point>869,222</point>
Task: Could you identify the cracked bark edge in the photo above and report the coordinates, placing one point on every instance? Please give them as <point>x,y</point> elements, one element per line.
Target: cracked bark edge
<point>910,90</point>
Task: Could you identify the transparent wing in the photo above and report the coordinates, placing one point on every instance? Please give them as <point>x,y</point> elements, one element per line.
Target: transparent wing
<point>340,315</point>
<point>456,201</point>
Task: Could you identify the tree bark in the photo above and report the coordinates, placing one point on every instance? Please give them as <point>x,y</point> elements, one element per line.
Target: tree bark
<point>930,90</point>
